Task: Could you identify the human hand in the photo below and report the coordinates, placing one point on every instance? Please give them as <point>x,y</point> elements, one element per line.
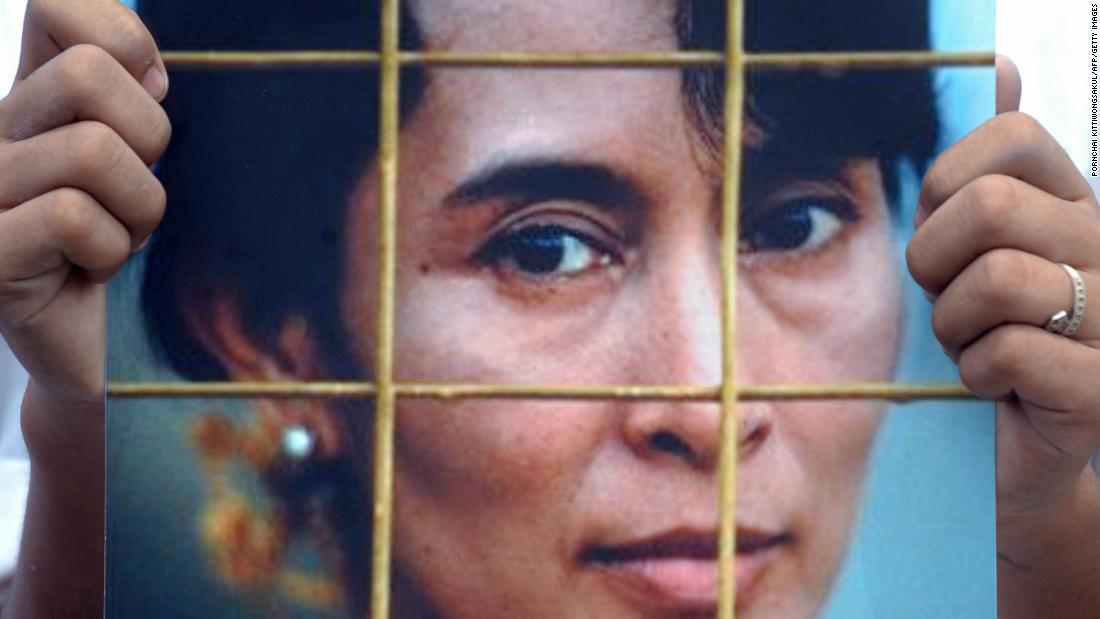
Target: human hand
<point>77,134</point>
<point>998,212</point>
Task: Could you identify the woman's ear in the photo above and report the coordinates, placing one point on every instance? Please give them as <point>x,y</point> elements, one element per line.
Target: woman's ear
<point>293,357</point>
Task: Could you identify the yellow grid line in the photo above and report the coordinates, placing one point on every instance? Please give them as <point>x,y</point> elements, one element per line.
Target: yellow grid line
<point>734,101</point>
<point>894,392</point>
<point>219,59</point>
<point>224,59</point>
<point>898,59</point>
<point>383,361</point>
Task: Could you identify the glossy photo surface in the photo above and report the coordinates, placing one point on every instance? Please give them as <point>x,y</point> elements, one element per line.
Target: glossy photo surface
<point>555,226</point>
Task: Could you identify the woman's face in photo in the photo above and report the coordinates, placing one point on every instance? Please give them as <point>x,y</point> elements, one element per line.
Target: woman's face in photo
<point>562,227</point>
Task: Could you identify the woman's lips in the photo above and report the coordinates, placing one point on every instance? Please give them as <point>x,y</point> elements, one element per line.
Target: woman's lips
<point>680,569</point>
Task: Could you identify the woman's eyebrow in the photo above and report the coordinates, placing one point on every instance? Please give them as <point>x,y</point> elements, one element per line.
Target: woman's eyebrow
<point>542,179</point>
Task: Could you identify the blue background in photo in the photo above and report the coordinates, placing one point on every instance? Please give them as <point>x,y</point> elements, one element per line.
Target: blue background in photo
<point>932,479</point>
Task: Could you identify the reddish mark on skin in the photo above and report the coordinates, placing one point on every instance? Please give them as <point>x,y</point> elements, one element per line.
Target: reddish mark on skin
<point>425,268</point>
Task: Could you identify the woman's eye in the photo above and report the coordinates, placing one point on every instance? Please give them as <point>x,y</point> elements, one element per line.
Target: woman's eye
<point>545,251</point>
<point>797,226</point>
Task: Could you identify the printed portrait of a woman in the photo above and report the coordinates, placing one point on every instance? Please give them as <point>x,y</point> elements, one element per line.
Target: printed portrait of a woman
<point>555,227</point>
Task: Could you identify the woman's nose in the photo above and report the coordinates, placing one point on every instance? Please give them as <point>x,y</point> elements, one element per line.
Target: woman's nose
<point>676,331</point>
<point>690,432</point>
<point>677,340</point>
<point>686,433</point>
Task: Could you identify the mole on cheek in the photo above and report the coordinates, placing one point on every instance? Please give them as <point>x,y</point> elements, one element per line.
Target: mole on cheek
<point>425,268</point>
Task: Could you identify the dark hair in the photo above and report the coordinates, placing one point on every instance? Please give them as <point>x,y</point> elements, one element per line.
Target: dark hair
<point>263,162</point>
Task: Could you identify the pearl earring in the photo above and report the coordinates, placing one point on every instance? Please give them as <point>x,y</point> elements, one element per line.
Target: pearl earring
<point>298,442</point>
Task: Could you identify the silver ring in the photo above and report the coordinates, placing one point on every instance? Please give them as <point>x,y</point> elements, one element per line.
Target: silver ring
<point>1067,323</point>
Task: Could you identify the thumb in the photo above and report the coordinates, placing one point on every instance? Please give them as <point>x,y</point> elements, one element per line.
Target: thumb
<point>1008,85</point>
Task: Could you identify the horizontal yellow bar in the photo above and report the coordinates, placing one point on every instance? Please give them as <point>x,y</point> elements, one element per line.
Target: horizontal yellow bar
<point>565,392</point>
<point>240,389</point>
<point>897,392</point>
<point>564,59</point>
<point>868,60</point>
<point>801,60</point>
<point>268,59</point>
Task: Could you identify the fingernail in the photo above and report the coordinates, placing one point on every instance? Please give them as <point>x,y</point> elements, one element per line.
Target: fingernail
<point>954,358</point>
<point>155,82</point>
<point>143,244</point>
<point>930,296</point>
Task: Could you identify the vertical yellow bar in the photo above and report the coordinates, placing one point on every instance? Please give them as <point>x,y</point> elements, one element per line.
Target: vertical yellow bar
<point>383,360</point>
<point>731,214</point>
